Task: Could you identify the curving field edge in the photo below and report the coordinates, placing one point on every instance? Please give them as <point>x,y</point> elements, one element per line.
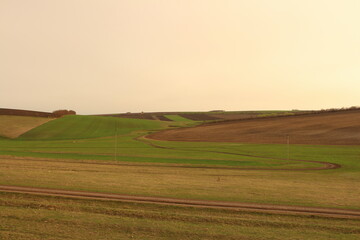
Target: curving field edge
<point>326,165</point>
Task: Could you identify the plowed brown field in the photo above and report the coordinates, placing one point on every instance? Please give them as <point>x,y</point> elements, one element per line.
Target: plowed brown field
<point>337,128</point>
<point>18,112</point>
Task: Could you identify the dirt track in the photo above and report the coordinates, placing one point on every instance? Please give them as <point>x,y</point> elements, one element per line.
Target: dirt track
<point>329,212</point>
<point>337,128</point>
<point>326,165</point>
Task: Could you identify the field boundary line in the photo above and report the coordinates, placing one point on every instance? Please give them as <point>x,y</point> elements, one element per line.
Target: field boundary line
<point>326,165</point>
<point>329,212</point>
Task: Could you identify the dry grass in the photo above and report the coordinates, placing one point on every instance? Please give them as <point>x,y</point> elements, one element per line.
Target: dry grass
<point>14,126</point>
<point>312,188</point>
<point>24,216</point>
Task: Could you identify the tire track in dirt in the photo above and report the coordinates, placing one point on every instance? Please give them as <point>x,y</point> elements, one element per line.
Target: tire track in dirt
<point>254,207</point>
<point>126,164</point>
<point>326,165</point>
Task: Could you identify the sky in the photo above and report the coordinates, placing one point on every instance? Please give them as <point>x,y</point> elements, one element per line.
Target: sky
<point>113,56</point>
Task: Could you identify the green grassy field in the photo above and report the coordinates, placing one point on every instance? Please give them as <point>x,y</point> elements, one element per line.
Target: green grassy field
<point>129,149</point>
<point>78,127</point>
<point>178,118</point>
<point>83,153</point>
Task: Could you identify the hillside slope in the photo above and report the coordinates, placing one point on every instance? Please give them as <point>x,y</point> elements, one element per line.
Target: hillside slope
<point>338,128</point>
<point>21,112</point>
<point>14,126</point>
<point>78,127</point>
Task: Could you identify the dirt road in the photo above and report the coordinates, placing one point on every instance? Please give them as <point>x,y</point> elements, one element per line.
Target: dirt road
<point>328,212</point>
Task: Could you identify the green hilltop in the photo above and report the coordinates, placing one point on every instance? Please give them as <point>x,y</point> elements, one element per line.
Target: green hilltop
<point>79,127</point>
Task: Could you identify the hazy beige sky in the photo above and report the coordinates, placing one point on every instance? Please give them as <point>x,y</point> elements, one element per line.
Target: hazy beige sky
<point>179,55</point>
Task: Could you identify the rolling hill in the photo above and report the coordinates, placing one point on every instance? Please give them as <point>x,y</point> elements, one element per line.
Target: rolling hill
<point>333,128</point>
<point>78,127</point>
<point>14,126</point>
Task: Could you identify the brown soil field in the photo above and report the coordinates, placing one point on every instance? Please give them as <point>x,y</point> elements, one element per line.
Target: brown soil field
<point>203,116</point>
<point>147,116</point>
<point>18,112</point>
<point>199,117</point>
<point>163,118</point>
<point>233,116</point>
<point>329,128</point>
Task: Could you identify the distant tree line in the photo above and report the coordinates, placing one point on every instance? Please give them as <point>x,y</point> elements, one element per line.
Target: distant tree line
<point>63,112</point>
<point>340,109</point>
<point>29,113</point>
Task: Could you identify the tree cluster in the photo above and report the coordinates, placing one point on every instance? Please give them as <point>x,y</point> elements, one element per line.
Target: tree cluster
<point>63,112</point>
